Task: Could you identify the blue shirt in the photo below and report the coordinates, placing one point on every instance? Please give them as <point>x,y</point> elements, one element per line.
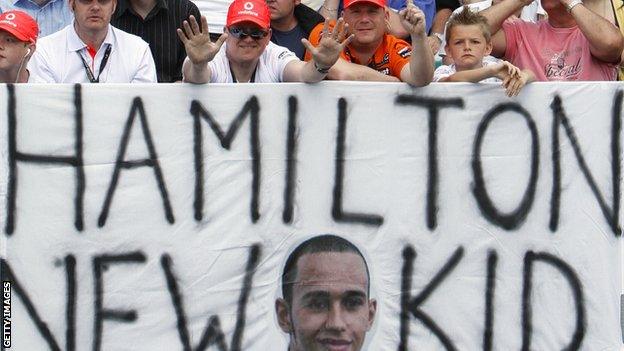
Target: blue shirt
<point>426,6</point>
<point>50,17</point>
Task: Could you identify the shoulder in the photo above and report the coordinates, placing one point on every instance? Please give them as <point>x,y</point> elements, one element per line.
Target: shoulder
<point>276,52</point>
<point>55,41</point>
<point>186,7</point>
<point>127,40</point>
<point>396,47</point>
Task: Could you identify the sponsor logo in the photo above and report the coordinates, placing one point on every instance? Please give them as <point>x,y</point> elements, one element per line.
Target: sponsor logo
<point>405,52</point>
<point>558,69</point>
<point>248,6</point>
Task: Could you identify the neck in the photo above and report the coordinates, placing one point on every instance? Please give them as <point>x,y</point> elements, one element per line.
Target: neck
<point>143,7</point>
<point>284,24</point>
<point>560,18</point>
<point>364,52</point>
<point>92,39</point>
<point>13,76</point>
<point>243,70</point>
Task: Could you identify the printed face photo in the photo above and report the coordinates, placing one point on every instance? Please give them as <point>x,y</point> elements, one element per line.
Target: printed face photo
<point>330,307</point>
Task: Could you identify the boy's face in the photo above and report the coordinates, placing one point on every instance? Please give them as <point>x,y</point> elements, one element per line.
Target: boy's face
<point>467,46</point>
<point>12,50</point>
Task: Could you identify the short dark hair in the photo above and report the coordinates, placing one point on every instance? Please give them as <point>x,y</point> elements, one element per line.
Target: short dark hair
<point>468,17</point>
<point>317,244</point>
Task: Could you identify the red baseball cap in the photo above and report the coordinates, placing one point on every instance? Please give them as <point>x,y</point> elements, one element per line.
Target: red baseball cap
<point>20,24</point>
<point>255,11</point>
<point>380,3</point>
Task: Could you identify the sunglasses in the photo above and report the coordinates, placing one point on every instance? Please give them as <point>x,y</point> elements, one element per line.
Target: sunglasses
<point>242,33</point>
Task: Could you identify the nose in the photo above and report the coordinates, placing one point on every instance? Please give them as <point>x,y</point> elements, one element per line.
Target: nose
<point>336,318</point>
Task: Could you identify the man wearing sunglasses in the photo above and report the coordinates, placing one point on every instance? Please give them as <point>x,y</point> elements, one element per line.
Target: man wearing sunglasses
<point>244,52</point>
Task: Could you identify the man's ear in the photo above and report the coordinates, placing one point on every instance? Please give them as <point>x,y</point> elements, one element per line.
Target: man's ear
<point>283,315</point>
<point>372,310</point>
<point>71,5</point>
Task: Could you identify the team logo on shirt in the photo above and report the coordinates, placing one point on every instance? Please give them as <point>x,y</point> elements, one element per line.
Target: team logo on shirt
<point>284,54</point>
<point>405,52</point>
<point>559,69</point>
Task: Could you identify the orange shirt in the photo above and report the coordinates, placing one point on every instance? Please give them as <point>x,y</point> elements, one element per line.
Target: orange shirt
<point>389,58</point>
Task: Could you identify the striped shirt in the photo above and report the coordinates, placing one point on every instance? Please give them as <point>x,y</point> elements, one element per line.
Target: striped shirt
<point>159,30</point>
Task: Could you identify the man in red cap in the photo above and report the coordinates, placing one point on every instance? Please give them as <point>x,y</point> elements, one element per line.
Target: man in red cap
<point>372,47</point>
<point>18,35</point>
<point>248,55</point>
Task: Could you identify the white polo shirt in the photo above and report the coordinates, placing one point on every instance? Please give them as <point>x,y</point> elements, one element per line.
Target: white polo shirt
<point>271,65</point>
<point>56,59</point>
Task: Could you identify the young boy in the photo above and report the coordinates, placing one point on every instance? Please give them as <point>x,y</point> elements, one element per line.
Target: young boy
<point>18,35</point>
<point>468,41</point>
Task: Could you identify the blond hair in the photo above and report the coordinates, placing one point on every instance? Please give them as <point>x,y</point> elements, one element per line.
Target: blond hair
<point>467,17</point>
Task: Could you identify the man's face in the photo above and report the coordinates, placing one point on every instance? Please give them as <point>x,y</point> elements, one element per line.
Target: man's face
<point>330,307</point>
<point>12,51</point>
<point>367,21</point>
<point>249,45</point>
<point>92,15</point>
<point>467,46</point>
<point>281,9</point>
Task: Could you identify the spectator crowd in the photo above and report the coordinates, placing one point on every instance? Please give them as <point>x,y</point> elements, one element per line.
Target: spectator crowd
<point>511,42</point>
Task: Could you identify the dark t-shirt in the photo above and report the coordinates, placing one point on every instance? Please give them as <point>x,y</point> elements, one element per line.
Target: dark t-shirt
<point>291,40</point>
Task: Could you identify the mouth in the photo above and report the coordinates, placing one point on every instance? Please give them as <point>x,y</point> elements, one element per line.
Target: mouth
<point>335,344</point>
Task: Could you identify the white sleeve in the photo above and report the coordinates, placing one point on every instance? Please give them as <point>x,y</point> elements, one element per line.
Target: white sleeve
<point>39,68</point>
<point>146,72</point>
<point>442,72</point>
<point>278,59</point>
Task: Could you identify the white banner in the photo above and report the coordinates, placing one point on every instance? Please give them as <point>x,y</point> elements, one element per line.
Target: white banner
<point>160,217</point>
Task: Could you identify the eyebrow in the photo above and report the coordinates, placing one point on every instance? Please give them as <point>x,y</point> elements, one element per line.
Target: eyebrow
<point>325,294</point>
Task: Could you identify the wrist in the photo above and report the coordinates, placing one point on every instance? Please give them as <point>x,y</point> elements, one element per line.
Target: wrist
<point>319,69</point>
<point>571,4</point>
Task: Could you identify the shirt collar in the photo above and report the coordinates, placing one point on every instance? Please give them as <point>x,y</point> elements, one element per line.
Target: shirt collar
<point>74,43</point>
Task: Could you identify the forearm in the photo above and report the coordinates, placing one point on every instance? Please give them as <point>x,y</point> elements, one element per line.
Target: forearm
<point>329,10</point>
<point>309,73</point>
<point>472,75</point>
<point>344,70</point>
<point>440,19</point>
<point>498,13</point>
<point>196,73</point>
<point>421,62</point>
<point>605,40</point>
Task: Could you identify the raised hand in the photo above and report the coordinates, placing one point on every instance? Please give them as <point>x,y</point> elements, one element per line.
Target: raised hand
<point>413,19</point>
<point>199,48</point>
<point>331,44</point>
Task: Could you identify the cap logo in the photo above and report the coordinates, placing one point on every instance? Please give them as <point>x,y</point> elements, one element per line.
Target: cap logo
<point>10,16</point>
<point>248,6</point>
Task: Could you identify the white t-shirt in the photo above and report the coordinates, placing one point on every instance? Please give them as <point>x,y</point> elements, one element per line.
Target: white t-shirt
<point>57,59</point>
<point>271,65</point>
<point>447,70</point>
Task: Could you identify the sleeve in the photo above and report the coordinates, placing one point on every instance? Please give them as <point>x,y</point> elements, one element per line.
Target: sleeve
<point>442,72</point>
<point>146,72</point>
<point>278,59</point>
<point>513,33</point>
<point>400,53</point>
<point>39,67</point>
